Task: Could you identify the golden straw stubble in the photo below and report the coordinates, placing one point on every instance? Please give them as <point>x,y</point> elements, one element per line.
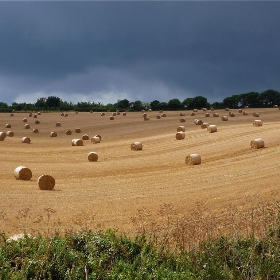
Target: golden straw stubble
<point>22,173</point>
<point>46,182</point>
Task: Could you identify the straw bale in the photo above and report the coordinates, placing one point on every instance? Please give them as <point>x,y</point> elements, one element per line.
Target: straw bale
<point>38,113</point>
<point>85,137</point>
<point>2,136</point>
<point>77,142</point>
<point>77,112</point>
<point>68,132</point>
<point>30,115</point>
<point>118,113</point>
<point>35,130</point>
<point>204,109</point>
<point>198,122</point>
<point>275,106</point>
<point>192,114</point>
<point>26,140</point>
<point>224,118</point>
<point>23,173</point>
<point>98,135</point>
<point>257,123</point>
<point>37,121</point>
<point>231,114</point>
<point>180,135</point>
<point>158,117</point>
<point>204,125</point>
<point>11,115</point>
<point>136,146</point>
<point>144,115</point>
<point>46,182</point>
<point>124,114</point>
<point>183,120</point>
<point>226,109</point>
<point>95,140</point>
<point>181,128</point>
<point>111,118</point>
<point>53,134</point>
<point>163,115</point>
<point>256,114</point>
<point>207,115</point>
<point>212,109</point>
<point>92,156</point>
<point>246,107</point>
<point>193,159</point>
<point>35,116</point>
<point>257,143</point>
<point>212,128</point>
<point>62,114</point>
<point>146,118</point>
<point>8,125</point>
<point>245,113</point>
<point>240,110</point>
<point>24,119</point>
<point>216,115</point>
<point>10,133</point>
<point>78,130</point>
<point>160,111</point>
<point>26,126</point>
<point>114,114</point>
<point>150,110</point>
<point>102,114</point>
<point>65,115</point>
<point>195,110</point>
<point>182,114</point>
<point>58,124</point>
<point>91,111</point>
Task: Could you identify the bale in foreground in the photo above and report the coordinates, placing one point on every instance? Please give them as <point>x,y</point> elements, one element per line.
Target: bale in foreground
<point>22,173</point>
<point>92,156</point>
<point>77,142</point>
<point>136,146</point>
<point>46,182</point>
<point>180,135</point>
<point>193,159</point>
<point>257,143</point>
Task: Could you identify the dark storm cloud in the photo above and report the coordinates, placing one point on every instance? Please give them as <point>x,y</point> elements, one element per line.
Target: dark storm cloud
<point>137,50</point>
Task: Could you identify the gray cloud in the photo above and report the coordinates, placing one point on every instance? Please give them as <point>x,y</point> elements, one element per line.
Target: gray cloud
<point>105,51</point>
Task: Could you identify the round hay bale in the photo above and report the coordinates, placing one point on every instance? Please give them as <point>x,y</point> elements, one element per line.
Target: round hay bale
<point>85,137</point>
<point>192,114</point>
<point>11,115</point>
<point>224,118</point>
<point>257,123</point>
<point>246,107</point>
<point>22,173</point>
<point>118,113</point>
<point>58,124</point>
<point>26,126</point>
<point>216,115</point>
<point>182,114</point>
<point>77,112</point>
<point>77,142</point>
<point>204,109</point>
<point>95,140</point>
<point>35,130</point>
<point>111,118</point>
<point>102,114</point>
<point>38,113</point>
<point>226,109</point>
<point>144,115</point>
<point>207,115</point>
<point>212,109</point>
<point>98,135</point>
<point>158,117</point>
<point>146,118</point>
<point>24,119</point>
<point>231,114</point>
<point>163,115</point>
<point>256,114</point>
<point>160,111</point>
<point>181,128</point>
<point>30,115</point>
<point>62,114</point>
<point>212,128</point>
<point>194,110</point>
<point>91,111</point>
<point>46,182</point>
<point>257,143</point>
<point>183,120</point>
<point>136,146</point>
<point>198,122</point>
<point>92,156</point>
<point>10,133</point>
<point>244,113</point>
<point>204,125</point>
<point>68,132</point>
<point>150,110</point>
<point>2,136</point>
<point>35,116</point>
<point>26,140</point>
<point>37,122</point>
<point>78,130</point>
<point>193,159</point>
<point>180,135</point>
<point>275,106</point>
<point>240,110</point>
<point>65,115</point>
<point>53,134</point>
<point>8,125</point>
<point>124,114</point>
<point>114,114</point>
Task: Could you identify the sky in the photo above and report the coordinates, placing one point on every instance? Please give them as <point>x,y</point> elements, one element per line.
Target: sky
<point>105,51</point>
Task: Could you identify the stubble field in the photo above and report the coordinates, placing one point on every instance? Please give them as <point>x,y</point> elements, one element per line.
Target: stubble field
<point>129,190</point>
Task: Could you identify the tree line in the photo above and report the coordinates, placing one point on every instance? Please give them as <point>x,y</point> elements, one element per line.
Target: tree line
<point>252,99</point>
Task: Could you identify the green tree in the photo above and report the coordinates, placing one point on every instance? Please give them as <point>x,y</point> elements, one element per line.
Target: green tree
<point>155,105</point>
<point>269,98</point>
<point>174,104</point>
<point>137,105</point>
<point>122,104</point>
<point>53,102</point>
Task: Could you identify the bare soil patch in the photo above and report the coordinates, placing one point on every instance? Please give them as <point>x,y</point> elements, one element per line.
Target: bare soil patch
<point>111,192</point>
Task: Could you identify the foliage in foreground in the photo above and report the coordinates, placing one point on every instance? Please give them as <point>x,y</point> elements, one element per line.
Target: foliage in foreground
<point>106,255</point>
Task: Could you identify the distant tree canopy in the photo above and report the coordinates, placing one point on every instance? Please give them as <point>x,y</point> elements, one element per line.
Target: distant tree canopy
<point>252,99</point>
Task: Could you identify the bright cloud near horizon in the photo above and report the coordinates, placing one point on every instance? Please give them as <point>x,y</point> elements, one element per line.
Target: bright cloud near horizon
<point>108,51</point>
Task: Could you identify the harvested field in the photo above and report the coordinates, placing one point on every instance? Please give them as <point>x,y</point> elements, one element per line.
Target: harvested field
<point>113,192</point>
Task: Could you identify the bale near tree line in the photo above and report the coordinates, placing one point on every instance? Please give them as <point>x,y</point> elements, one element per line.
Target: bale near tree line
<point>92,156</point>
<point>257,143</point>
<point>46,182</point>
<point>136,146</point>
<point>22,173</point>
<point>193,159</point>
